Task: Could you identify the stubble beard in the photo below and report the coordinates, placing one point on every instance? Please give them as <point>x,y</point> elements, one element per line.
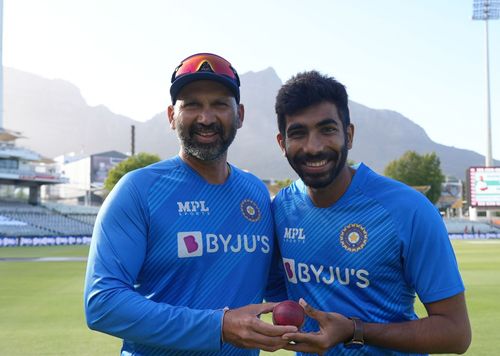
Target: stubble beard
<point>318,182</point>
<point>206,151</point>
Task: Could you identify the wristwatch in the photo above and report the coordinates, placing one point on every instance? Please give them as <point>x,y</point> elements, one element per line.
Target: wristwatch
<point>357,338</point>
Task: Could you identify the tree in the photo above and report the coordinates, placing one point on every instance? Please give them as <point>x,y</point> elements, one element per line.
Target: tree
<point>416,170</point>
<point>284,183</point>
<point>139,160</point>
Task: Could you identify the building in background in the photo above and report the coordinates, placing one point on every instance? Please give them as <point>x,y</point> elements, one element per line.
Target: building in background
<point>24,172</point>
<point>451,201</point>
<point>86,175</point>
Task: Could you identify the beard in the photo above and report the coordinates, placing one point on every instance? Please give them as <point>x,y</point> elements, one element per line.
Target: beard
<point>320,180</point>
<point>206,151</point>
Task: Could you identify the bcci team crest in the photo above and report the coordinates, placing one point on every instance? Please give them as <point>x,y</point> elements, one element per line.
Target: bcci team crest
<point>353,237</point>
<point>250,210</point>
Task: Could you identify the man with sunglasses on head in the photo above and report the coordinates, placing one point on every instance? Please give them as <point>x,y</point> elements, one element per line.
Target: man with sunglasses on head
<point>182,249</point>
<point>358,246</point>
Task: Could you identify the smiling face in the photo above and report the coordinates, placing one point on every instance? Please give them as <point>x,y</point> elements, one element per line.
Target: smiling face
<point>316,144</point>
<point>206,117</point>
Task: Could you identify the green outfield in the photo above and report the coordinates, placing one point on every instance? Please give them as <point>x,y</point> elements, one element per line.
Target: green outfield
<point>41,308</point>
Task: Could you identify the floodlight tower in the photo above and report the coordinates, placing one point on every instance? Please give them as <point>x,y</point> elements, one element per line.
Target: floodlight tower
<point>486,10</point>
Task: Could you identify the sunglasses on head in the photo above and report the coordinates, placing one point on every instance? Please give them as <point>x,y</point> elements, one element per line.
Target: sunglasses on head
<point>199,62</point>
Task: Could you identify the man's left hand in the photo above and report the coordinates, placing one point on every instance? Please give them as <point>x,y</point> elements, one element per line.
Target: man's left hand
<point>333,329</point>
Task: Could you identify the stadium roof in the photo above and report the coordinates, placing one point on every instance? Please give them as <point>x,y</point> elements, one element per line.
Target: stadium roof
<point>9,135</point>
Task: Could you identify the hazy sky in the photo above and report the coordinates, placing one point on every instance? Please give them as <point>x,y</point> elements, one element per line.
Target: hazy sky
<point>422,58</point>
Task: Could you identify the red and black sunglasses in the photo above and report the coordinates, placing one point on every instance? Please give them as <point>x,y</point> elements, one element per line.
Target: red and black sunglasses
<point>198,62</point>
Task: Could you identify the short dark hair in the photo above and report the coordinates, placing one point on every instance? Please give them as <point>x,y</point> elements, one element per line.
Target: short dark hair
<point>310,88</point>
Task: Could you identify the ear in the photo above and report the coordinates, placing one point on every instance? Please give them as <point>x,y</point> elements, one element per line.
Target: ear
<point>350,136</point>
<point>241,114</point>
<point>170,115</point>
<point>281,142</point>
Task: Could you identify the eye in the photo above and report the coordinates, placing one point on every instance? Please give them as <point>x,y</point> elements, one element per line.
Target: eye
<point>329,129</point>
<point>221,104</point>
<point>295,134</point>
<point>190,104</point>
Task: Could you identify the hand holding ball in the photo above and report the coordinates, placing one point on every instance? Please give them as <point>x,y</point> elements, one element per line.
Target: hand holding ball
<point>288,313</point>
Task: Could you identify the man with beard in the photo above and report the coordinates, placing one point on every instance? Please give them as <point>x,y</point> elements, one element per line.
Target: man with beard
<point>182,249</point>
<point>358,246</point>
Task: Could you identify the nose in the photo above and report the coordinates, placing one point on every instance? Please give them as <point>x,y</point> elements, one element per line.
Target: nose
<point>206,116</point>
<point>312,145</point>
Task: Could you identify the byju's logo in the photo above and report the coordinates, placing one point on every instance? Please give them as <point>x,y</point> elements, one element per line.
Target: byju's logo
<point>189,244</point>
<point>294,234</point>
<point>289,266</point>
<point>195,243</point>
<point>195,207</point>
<point>312,273</point>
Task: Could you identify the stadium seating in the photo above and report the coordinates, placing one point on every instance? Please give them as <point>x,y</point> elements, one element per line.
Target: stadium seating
<point>23,220</point>
<point>464,226</point>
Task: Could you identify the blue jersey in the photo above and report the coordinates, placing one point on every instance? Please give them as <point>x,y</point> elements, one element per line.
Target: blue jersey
<point>170,251</point>
<point>368,254</point>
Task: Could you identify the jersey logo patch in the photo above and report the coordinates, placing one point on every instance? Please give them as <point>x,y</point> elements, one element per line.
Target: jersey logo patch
<point>189,244</point>
<point>250,210</point>
<point>289,265</point>
<point>353,237</point>
<point>196,207</point>
<point>293,234</point>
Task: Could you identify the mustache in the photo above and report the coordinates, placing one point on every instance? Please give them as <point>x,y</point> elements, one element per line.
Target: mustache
<point>302,158</point>
<point>201,128</point>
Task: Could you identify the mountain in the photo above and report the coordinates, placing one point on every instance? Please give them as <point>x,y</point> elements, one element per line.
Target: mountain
<point>55,119</point>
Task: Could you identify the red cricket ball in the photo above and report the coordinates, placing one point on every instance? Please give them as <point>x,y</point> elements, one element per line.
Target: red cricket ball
<point>288,313</point>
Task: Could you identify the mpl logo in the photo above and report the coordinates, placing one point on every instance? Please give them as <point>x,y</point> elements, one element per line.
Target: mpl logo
<point>194,207</point>
<point>289,265</point>
<point>294,234</point>
<point>189,244</point>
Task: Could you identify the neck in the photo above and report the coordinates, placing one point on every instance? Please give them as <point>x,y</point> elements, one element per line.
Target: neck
<point>325,197</point>
<point>214,172</point>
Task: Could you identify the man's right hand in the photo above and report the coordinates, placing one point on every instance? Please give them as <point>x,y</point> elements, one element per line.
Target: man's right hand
<point>243,328</point>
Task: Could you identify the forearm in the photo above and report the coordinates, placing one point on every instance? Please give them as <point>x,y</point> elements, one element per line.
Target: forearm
<point>128,315</point>
<point>433,334</point>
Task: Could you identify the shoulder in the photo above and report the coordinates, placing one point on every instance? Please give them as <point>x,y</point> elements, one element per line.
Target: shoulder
<point>413,214</point>
<point>293,192</point>
<point>159,168</point>
<point>248,180</point>
<point>132,191</point>
<point>138,183</point>
<point>147,175</point>
<point>392,194</point>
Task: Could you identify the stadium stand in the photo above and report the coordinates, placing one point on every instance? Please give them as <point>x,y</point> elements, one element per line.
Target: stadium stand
<point>460,226</point>
<point>22,221</point>
<point>467,229</point>
<point>79,213</point>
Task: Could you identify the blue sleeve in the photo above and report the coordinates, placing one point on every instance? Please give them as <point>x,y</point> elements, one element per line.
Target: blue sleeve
<point>276,286</point>
<point>429,261</point>
<point>112,305</point>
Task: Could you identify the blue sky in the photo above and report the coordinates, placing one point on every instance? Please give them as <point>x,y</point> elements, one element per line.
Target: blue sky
<point>424,59</point>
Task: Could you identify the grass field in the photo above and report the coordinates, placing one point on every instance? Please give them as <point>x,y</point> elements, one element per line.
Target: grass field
<point>41,308</point>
